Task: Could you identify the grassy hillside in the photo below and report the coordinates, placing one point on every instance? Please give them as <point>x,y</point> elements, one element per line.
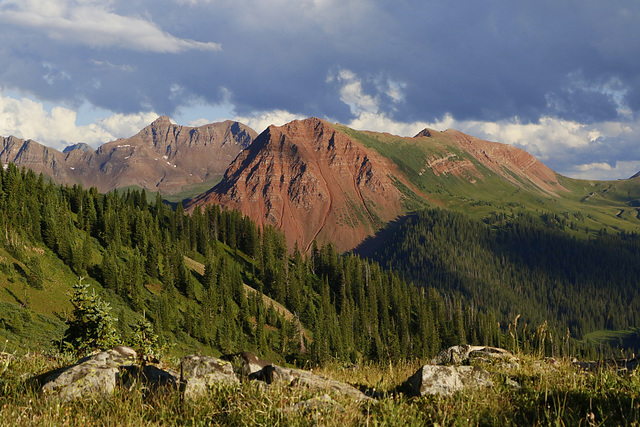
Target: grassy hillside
<point>589,205</point>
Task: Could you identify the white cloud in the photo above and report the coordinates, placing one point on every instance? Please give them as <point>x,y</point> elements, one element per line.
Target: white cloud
<point>90,23</point>
<point>352,94</point>
<point>126,125</point>
<point>261,121</point>
<point>57,128</point>
<point>605,171</point>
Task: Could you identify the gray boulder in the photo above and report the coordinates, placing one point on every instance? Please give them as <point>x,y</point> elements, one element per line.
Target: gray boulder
<point>95,375</point>
<point>198,374</point>
<point>300,378</point>
<point>446,380</point>
<point>464,353</point>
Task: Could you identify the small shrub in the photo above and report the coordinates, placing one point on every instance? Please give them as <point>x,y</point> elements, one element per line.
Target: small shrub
<point>92,326</point>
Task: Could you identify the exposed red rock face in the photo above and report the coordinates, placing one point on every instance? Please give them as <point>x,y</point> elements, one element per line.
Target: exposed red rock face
<point>162,157</point>
<point>313,183</point>
<point>505,160</point>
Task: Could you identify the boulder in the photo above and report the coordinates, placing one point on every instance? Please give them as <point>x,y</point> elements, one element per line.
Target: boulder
<point>446,380</point>
<point>464,353</point>
<point>95,375</point>
<point>198,374</point>
<point>300,378</point>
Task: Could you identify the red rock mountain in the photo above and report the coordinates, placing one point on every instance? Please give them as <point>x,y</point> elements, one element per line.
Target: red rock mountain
<point>312,182</point>
<point>511,163</point>
<point>315,180</point>
<point>162,157</point>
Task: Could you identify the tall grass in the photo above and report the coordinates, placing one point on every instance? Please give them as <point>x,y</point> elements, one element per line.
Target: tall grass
<point>549,393</point>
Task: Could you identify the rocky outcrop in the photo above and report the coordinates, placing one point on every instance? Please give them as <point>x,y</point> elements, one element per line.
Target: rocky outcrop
<point>313,182</point>
<point>446,380</point>
<point>95,375</point>
<point>460,354</point>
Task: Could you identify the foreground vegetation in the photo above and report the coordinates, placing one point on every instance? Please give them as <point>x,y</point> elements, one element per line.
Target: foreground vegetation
<point>550,393</point>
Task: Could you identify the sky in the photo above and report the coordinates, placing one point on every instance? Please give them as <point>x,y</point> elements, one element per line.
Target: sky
<point>560,78</point>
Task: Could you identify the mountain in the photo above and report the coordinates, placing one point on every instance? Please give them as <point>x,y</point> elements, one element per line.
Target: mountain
<point>312,182</point>
<point>40,159</point>
<point>162,157</point>
<point>317,180</point>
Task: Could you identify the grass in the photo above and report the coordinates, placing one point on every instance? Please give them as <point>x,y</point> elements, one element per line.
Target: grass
<point>550,393</point>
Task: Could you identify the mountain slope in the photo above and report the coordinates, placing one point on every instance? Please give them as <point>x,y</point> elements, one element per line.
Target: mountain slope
<point>316,180</point>
<point>313,182</point>
<point>162,157</point>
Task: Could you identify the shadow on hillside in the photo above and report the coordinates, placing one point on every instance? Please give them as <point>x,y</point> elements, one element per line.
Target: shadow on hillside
<point>372,244</point>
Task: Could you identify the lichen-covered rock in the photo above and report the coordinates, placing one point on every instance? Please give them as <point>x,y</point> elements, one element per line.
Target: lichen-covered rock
<point>463,353</point>
<point>95,375</point>
<point>446,380</point>
<point>300,378</point>
<point>198,374</point>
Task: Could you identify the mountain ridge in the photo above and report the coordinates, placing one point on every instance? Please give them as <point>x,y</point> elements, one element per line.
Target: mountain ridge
<point>161,157</point>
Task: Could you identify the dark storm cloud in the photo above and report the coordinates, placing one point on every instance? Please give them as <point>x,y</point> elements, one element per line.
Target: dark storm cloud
<point>474,60</point>
<point>408,61</point>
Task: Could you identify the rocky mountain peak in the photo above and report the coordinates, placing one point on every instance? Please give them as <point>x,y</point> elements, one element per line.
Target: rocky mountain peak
<point>313,182</point>
<point>161,121</point>
<point>424,132</point>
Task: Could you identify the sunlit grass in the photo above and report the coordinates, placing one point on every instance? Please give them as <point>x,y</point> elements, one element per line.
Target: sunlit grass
<point>549,393</point>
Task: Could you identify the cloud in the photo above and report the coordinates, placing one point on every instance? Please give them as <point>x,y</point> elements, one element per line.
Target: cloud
<point>90,23</point>
<point>604,171</point>
<point>261,120</point>
<point>563,85</point>
<point>57,128</point>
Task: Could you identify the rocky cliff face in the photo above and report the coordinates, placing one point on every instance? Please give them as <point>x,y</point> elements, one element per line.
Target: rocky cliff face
<point>35,156</point>
<point>313,183</point>
<point>162,157</point>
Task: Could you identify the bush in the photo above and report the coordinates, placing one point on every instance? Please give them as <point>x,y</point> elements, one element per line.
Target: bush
<point>91,327</point>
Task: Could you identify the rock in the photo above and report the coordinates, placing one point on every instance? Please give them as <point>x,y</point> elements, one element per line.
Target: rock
<point>95,375</point>
<point>300,378</point>
<point>245,363</point>
<point>463,353</point>
<point>199,373</point>
<point>446,380</point>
